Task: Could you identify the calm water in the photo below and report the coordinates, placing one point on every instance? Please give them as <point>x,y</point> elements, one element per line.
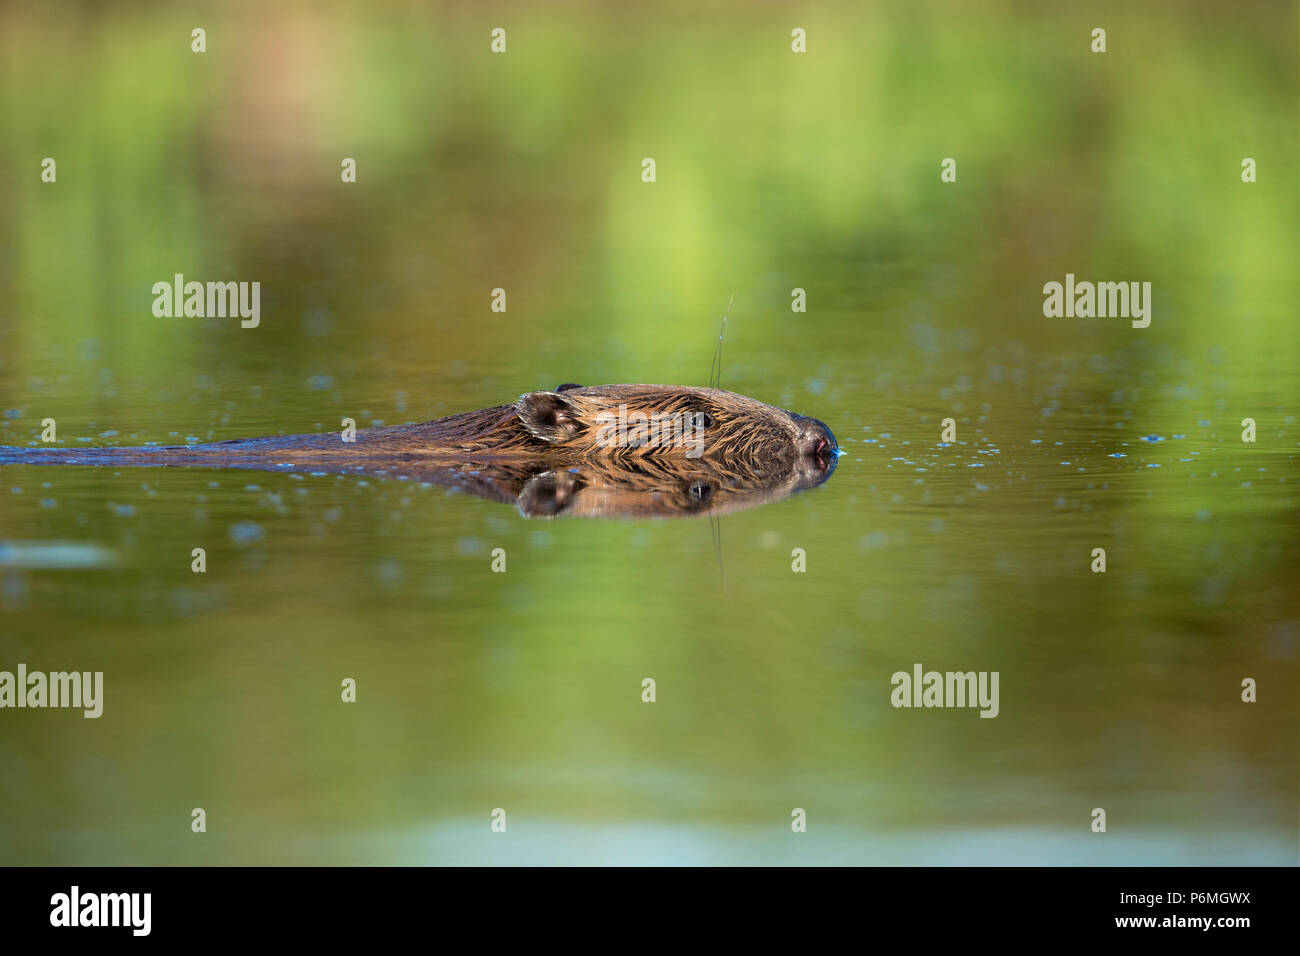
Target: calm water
<point>522,690</point>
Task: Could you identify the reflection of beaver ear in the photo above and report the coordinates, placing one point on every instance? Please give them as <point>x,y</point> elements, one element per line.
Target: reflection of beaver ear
<point>548,494</point>
<point>548,415</point>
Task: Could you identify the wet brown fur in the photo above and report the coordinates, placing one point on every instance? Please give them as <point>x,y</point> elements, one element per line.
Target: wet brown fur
<point>748,436</point>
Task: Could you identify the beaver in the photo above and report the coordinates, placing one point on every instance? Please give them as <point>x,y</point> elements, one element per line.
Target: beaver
<point>636,425</point>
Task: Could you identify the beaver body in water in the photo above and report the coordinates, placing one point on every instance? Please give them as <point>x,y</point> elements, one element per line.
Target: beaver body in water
<point>631,424</point>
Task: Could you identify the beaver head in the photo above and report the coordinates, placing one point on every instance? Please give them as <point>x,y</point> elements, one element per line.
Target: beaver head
<point>636,421</point>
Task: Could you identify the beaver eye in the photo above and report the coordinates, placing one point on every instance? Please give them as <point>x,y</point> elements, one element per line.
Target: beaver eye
<point>700,490</point>
<point>701,420</point>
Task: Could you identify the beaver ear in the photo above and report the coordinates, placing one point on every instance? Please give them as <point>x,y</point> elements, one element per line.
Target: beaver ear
<point>548,415</point>
<point>566,386</point>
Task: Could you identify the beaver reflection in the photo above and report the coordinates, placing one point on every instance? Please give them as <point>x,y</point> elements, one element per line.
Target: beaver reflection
<point>664,488</point>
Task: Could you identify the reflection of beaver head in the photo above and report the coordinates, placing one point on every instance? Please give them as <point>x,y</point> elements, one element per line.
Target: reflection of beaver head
<point>659,488</point>
<point>604,487</point>
<point>644,421</point>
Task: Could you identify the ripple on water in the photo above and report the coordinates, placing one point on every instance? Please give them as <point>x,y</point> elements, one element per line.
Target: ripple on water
<point>54,555</point>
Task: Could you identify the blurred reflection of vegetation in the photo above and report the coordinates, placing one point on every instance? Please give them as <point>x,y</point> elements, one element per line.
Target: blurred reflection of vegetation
<point>773,167</point>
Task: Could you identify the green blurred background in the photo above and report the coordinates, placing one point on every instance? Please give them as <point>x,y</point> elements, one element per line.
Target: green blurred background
<point>775,170</point>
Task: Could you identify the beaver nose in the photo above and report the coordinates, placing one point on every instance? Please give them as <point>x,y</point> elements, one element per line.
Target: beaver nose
<point>817,441</point>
